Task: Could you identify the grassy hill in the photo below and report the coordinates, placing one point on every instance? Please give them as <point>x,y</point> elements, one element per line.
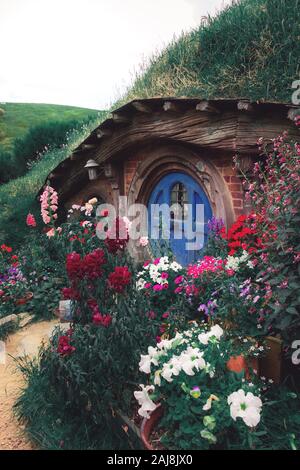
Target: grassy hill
<point>17,118</point>
<point>251,49</point>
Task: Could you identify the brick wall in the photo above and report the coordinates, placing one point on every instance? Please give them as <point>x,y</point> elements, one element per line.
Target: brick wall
<point>234,184</point>
<point>130,167</point>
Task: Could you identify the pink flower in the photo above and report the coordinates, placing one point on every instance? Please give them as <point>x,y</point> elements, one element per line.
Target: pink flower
<point>50,233</point>
<point>146,263</point>
<point>164,275</point>
<point>30,220</point>
<point>156,261</point>
<point>230,272</point>
<point>151,315</point>
<point>147,285</point>
<point>144,241</point>
<point>178,290</point>
<point>178,280</point>
<point>165,315</point>
<point>49,202</point>
<point>157,287</point>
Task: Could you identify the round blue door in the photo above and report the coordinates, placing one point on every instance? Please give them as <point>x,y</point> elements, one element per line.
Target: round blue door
<point>178,211</point>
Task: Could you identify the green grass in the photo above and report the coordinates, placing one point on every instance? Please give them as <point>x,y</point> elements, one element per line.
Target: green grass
<point>18,197</point>
<point>18,118</point>
<point>51,426</point>
<point>249,50</point>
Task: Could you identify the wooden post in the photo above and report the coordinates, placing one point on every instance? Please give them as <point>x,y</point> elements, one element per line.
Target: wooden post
<point>205,106</point>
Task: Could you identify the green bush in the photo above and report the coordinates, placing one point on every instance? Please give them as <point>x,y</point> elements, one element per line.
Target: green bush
<point>37,141</point>
<point>18,196</point>
<point>75,397</point>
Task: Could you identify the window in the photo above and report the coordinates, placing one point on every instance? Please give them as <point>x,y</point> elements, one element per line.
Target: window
<point>179,196</point>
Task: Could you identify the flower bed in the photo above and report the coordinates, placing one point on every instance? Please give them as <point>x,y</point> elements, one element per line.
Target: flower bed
<point>196,332</point>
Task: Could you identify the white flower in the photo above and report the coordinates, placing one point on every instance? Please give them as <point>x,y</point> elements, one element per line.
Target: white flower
<point>233,262</point>
<point>175,266</point>
<point>140,284</point>
<point>151,358</point>
<point>145,364</point>
<point>215,331</point>
<point>145,402</point>
<point>169,369</point>
<point>245,406</point>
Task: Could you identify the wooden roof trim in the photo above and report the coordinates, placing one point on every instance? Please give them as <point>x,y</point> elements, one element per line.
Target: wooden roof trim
<point>122,117</point>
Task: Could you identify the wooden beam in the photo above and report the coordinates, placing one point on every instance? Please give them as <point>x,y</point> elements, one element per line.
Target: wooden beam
<point>206,107</point>
<point>141,107</point>
<point>54,175</point>
<point>87,146</point>
<point>103,132</point>
<point>244,106</point>
<point>119,118</point>
<point>170,106</point>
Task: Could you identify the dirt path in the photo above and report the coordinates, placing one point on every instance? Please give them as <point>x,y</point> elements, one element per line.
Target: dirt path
<point>25,341</point>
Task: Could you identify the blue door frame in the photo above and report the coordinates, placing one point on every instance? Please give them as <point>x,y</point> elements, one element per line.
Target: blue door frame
<point>194,194</point>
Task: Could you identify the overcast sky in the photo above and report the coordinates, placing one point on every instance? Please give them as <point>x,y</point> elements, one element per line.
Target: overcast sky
<point>84,52</point>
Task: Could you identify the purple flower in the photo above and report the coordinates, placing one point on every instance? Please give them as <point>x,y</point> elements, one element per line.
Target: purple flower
<point>215,225</point>
<point>203,308</point>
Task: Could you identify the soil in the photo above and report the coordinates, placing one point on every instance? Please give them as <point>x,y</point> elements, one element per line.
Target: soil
<point>25,341</point>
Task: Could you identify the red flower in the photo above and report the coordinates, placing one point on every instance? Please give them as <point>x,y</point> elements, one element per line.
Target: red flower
<point>74,266</point>
<point>119,279</point>
<point>104,213</point>
<point>103,320</point>
<point>92,264</point>
<point>92,303</point>
<point>70,293</point>
<point>117,239</point>
<point>30,220</point>
<point>6,248</point>
<point>64,348</point>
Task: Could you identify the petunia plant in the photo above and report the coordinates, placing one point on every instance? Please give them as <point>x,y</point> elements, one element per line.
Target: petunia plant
<point>206,403</point>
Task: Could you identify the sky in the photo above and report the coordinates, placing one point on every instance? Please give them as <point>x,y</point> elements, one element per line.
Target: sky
<point>85,52</point>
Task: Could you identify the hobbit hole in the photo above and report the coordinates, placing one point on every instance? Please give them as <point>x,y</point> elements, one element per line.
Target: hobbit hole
<point>173,150</point>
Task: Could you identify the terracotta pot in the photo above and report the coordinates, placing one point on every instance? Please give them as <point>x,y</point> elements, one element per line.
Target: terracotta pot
<point>28,296</point>
<point>148,425</point>
<point>242,364</point>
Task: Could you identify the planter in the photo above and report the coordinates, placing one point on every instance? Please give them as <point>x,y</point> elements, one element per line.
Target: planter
<point>23,300</point>
<point>64,312</point>
<point>148,426</point>
<point>242,364</point>
<point>270,365</point>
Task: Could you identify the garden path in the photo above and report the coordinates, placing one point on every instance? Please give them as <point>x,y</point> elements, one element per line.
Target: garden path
<point>25,341</point>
